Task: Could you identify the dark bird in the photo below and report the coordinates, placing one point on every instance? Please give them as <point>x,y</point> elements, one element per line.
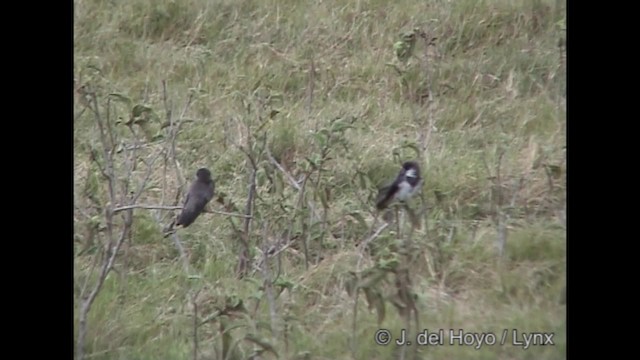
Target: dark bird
<point>403,188</point>
<point>200,193</point>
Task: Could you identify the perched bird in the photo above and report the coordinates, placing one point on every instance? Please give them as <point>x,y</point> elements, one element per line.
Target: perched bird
<point>200,193</point>
<point>403,188</point>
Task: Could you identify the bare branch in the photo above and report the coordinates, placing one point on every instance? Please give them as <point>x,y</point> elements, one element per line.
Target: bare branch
<point>175,130</point>
<point>112,247</point>
<point>166,207</point>
<point>107,170</point>
<point>109,127</point>
<point>282,248</point>
<point>187,105</point>
<point>354,339</point>
<point>183,253</point>
<point>194,302</point>
<point>230,214</point>
<point>311,85</point>
<point>133,162</point>
<point>93,266</point>
<point>248,212</point>
<point>268,285</point>
<point>364,244</point>
<point>425,137</point>
<point>165,99</point>
<point>305,240</point>
<point>290,178</point>
<point>87,302</point>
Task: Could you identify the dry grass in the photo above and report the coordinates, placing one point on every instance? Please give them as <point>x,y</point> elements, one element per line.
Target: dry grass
<point>491,144</point>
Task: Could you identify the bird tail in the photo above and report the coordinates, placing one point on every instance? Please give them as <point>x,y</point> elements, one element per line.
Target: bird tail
<point>383,198</point>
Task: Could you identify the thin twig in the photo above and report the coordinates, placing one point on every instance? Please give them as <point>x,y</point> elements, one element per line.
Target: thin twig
<point>426,138</point>
<point>311,86</point>
<point>166,207</point>
<point>174,132</point>
<point>268,285</point>
<point>112,247</point>
<point>290,178</point>
<point>107,170</point>
<point>183,254</point>
<point>93,266</point>
<point>230,214</point>
<point>248,212</point>
<point>210,317</point>
<point>354,324</point>
<point>194,302</point>
<point>283,248</point>
<point>87,302</point>
<point>364,244</point>
<point>147,176</point>
<point>305,241</point>
<point>499,217</point>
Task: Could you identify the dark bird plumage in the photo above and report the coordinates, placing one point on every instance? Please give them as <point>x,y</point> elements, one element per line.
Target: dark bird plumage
<point>404,187</point>
<point>200,193</point>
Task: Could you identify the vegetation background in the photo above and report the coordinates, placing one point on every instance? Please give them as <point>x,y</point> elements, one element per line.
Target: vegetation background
<point>302,110</point>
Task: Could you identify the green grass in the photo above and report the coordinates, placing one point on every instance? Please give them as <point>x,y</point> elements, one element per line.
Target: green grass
<point>491,142</point>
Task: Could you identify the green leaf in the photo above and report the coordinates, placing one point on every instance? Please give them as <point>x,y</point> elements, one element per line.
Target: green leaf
<point>356,215</point>
<point>370,296</point>
<point>313,162</point>
<point>228,329</point>
<point>253,281</point>
<point>121,98</point>
<point>320,138</point>
<point>234,303</point>
<point>340,126</point>
<point>257,295</point>
<point>326,133</point>
<point>404,47</point>
<point>350,283</point>
<point>323,198</point>
<point>411,145</point>
<point>265,345</point>
<point>257,84</point>
<point>399,47</point>
<point>363,180</point>
<point>285,284</point>
<point>375,301</point>
<point>140,109</point>
<point>262,324</point>
<point>158,136</point>
<point>396,68</point>
<point>554,170</point>
<point>374,277</point>
<point>388,264</point>
<point>380,309</point>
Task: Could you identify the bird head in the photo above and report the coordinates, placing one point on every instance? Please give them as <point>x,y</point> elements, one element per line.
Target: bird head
<point>203,174</point>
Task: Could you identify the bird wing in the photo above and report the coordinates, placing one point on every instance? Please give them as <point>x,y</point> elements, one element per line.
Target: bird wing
<point>386,195</point>
<point>196,201</point>
<point>191,210</point>
<point>210,191</point>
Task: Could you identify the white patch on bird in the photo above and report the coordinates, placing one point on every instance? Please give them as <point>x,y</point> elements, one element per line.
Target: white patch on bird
<point>404,191</point>
<point>411,173</point>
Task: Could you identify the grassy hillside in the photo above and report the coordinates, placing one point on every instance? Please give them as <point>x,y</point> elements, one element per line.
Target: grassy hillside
<point>302,110</point>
